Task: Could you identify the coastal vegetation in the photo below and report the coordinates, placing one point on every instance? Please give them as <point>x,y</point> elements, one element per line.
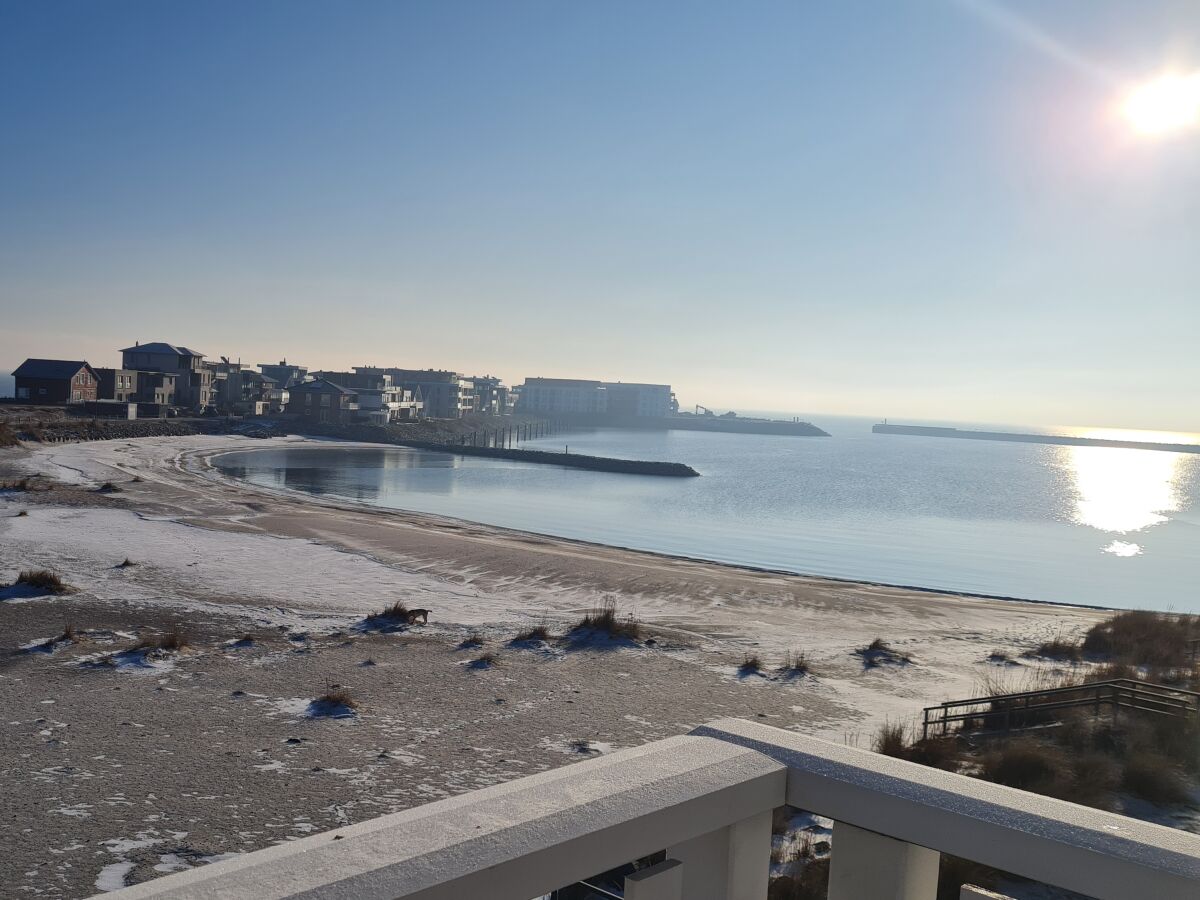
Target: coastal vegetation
<point>751,664</point>
<point>336,703</point>
<point>879,653</point>
<point>395,613</point>
<point>538,632</point>
<point>42,580</point>
<point>604,620</point>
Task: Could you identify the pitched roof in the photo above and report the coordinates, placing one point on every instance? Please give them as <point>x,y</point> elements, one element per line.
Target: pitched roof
<point>161,347</point>
<point>321,385</point>
<point>50,368</point>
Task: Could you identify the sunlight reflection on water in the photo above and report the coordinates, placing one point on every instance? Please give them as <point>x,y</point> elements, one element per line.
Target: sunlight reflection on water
<point>1122,490</point>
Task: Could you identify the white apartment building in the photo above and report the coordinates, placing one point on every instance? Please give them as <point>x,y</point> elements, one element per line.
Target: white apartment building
<point>563,396</point>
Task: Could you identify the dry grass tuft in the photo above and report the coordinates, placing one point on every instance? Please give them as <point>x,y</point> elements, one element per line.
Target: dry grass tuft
<point>1143,638</point>
<point>605,620</point>
<point>42,580</point>
<point>23,512</point>
<point>1030,765</point>
<point>795,663</point>
<point>108,488</point>
<point>538,632</point>
<point>471,641</point>
<point>485,661</point>
<point>751,664</point>
<point>126,563</point>
<point>397,612</point>
<point>173,640</point>
<point>892,740</point>
<point>169,642</point>
<point>1156,779</point>
<point>336,697</point>
<point>1059,649</point>
<point>878,653</point>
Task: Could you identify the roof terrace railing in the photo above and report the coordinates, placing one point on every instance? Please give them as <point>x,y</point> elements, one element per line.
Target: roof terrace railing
<point>706,800</point>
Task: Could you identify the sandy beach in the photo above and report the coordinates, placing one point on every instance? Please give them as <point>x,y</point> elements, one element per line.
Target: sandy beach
<point>120,771</point>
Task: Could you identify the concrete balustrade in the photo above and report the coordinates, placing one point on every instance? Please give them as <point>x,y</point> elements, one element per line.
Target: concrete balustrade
<point>706,799</point>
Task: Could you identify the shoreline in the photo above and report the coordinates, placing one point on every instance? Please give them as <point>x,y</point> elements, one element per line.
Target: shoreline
<point>343,502</point>
<point>273,589</point>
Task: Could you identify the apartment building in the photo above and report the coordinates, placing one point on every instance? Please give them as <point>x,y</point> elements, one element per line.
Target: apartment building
<point>193,379</point>
<point>563,396</point>
<point>627,399</point>
<point>445,395</point>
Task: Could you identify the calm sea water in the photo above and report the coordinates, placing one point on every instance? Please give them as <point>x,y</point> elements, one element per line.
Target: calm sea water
<point>1076,524</point>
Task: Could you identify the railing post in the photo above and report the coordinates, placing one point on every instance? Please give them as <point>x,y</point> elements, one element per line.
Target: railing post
<point>663,881</point>
<point>869,866</point>
<point>732,863</point>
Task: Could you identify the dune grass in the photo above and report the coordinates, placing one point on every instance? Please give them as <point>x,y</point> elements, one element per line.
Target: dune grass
<point>604,619</point>
<point>397,612</point>
<point>538,632</point>
<point>42,580</point>
<point>751,664</point>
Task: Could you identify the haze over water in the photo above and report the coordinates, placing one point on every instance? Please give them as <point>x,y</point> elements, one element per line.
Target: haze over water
<point>1110,527</point>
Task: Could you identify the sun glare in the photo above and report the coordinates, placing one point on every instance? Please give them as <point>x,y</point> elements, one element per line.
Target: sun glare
<point>1166,105</point>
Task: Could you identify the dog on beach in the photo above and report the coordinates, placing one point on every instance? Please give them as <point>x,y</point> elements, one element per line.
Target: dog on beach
<point>422,614</point>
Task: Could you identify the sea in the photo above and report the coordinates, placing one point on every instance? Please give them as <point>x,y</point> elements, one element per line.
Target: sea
<point>1085,525</point>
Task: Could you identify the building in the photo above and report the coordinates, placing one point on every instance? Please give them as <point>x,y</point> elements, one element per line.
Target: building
<point>383,406</point>
<point>117,384</point>
<point>193,379</point>
<point>613,400</point>
<point>284,375</point>
<point>445,395</point>
<point>133,386</point>
<point>380,402</point>
<point>323,402</point>
<point>56,381</point>
<point>490,396</point>
<point>246,393</point>
<point>629,399</point>
<point>563,396</point>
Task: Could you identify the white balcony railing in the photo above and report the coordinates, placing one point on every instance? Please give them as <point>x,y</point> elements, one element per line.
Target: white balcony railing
<point>706,799</point>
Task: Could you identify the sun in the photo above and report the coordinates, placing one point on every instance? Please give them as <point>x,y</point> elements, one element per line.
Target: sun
<point>1166,105</point>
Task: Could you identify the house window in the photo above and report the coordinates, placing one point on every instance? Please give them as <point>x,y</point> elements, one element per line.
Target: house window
<point>324,399</point>
<point>22,393</point>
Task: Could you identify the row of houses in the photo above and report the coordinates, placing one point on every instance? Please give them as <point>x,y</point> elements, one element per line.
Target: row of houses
<point>159,379</point>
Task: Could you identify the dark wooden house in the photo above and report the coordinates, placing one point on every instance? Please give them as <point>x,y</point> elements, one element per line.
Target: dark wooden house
<point>56,381</point>
<point>323,401</point>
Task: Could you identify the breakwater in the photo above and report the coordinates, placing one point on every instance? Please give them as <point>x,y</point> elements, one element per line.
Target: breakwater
<point>716,424</point>
<point>1018,437</point>
<point>572,460</point>
<point>376,434</point>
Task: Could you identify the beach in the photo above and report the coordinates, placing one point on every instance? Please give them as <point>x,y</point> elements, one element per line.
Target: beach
<point>122,772</point>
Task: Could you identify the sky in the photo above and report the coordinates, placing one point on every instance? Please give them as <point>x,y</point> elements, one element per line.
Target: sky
<point>919,210</point>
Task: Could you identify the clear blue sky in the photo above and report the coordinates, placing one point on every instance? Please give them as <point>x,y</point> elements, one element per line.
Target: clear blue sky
<point>920,209</point>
